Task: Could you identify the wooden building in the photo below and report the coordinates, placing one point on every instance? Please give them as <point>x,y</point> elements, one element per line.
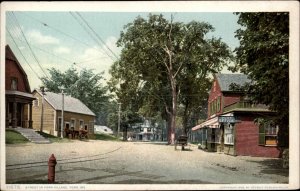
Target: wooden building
<point>76,114</point>
<point>18,97</point>
<point>230,126</point>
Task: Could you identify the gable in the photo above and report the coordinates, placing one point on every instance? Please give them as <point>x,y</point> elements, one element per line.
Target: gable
<point>225,80</point>
<point>15,72</point>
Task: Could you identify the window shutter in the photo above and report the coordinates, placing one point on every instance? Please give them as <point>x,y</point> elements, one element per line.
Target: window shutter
<point>261,135</point>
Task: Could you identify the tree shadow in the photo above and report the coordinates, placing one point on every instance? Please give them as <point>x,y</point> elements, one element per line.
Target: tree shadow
<point>272,166</point>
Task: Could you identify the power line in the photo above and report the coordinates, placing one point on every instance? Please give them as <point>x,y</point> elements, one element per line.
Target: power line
<point>29,45</point>
<point>22,54</point>
<point>97,35</point>
<point>91,35</point>
<point>67,60</point>
<point>57,30</point>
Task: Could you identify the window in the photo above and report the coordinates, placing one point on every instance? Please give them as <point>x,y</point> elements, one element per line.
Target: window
<point>148,129</point>
<point>219,104</point>
<point>86,127</point>
<point>14,84</point>
<point>35,102</point>
<point>72,124</point>
<point>142,129</point>
<point>268,134</point>
<point>228,134</point>
<point>81,124</point>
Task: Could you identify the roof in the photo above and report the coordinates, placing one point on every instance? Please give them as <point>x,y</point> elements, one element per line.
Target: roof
<point>102,129</point>
<point>225,80</point>
<point>11,56</point>
<point>23,94</point>
<point>70,104</point>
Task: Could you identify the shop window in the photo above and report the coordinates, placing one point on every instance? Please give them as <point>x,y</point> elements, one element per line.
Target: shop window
<point>268,134</point>
<point>228,134</point>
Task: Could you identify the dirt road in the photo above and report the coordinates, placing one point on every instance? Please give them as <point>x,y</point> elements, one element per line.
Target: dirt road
<point>106,162</point>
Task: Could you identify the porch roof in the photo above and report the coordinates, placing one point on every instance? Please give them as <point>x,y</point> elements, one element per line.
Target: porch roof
<point>212,123</point>
<point>25,95</point>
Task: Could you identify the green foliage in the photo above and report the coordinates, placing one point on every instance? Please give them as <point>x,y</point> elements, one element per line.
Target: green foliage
<point>14,137</point>
<point>53,138</point>
<point>105,137</point>
<point>263,55</point>
<point>163,62</point>
<point>85,86</point>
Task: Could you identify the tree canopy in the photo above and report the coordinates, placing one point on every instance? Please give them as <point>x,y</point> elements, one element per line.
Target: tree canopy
<point>163,63</point>
<point>84,85</point>
<point>263,55</point>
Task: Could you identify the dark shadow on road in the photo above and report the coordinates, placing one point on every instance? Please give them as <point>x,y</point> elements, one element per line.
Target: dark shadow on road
<point>272,166</point>
<point>143,181</point>
<point>153,143</point>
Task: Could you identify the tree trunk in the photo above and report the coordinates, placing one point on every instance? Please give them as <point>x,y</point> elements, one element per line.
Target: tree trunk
<point>173,113</point>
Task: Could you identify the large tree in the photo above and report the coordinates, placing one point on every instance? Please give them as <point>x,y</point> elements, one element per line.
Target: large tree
<point>84,85</point>
<point>156,57</point>
<point>263,55</point>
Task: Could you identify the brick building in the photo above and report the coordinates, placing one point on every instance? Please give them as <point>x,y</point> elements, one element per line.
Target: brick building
<point>76,114</point>
<point>18,97</point>
<point>230,126</point>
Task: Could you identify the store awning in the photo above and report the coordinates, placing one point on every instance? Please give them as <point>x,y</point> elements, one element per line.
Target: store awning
<point>211,123</point>
<point>216,121</point>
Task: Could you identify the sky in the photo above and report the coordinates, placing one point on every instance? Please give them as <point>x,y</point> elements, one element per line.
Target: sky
<point>60,39</point>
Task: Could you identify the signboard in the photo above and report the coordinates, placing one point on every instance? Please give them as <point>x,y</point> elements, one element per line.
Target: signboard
<point>226,119</point>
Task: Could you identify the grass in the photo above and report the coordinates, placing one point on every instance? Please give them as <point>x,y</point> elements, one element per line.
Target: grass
<point>53,138</point>
<point>14,137</point>
<point>105,137</point>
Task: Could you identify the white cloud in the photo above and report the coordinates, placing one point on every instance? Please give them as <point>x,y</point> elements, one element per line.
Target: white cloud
<point>62,50</point>
<point>37,37</point>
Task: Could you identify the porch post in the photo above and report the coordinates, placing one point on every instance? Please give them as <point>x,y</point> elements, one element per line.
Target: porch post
<point>30,115</point>
<point>14,115</point>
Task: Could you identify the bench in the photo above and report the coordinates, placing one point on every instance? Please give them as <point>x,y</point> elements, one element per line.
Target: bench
<point>181,140</point>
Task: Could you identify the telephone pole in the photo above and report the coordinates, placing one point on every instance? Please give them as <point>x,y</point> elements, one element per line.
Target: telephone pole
<point>42,113</point>
<point>119,121</point>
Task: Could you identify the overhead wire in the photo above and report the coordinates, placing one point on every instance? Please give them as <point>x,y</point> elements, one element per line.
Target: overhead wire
<point>57,30</point>
<point>22,54</point>
<point>96,34</point>
<point>29,45</point>
<point>60,57</point>
<point>90,34</point>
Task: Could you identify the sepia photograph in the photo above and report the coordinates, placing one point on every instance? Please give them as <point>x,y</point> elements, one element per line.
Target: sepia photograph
<point>149,95</point>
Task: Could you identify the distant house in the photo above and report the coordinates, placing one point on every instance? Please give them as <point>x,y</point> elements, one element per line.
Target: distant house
<point>146,132</point>
<point>230,126</point>
<point>18,97</point>
<point>98,129</point>
<point>76,114</point>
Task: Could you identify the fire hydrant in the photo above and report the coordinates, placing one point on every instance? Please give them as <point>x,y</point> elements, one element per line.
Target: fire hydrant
<point>51,169</point>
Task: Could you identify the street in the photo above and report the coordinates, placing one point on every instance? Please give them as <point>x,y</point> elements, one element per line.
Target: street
<point>107,162</point>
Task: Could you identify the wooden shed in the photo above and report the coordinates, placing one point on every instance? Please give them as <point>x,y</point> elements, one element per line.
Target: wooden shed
<point>76,114</point>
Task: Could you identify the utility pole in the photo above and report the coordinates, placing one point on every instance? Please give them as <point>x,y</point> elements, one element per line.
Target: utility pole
<point>62,112</point>
<point>119,121</point>
<point>42,114</point>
